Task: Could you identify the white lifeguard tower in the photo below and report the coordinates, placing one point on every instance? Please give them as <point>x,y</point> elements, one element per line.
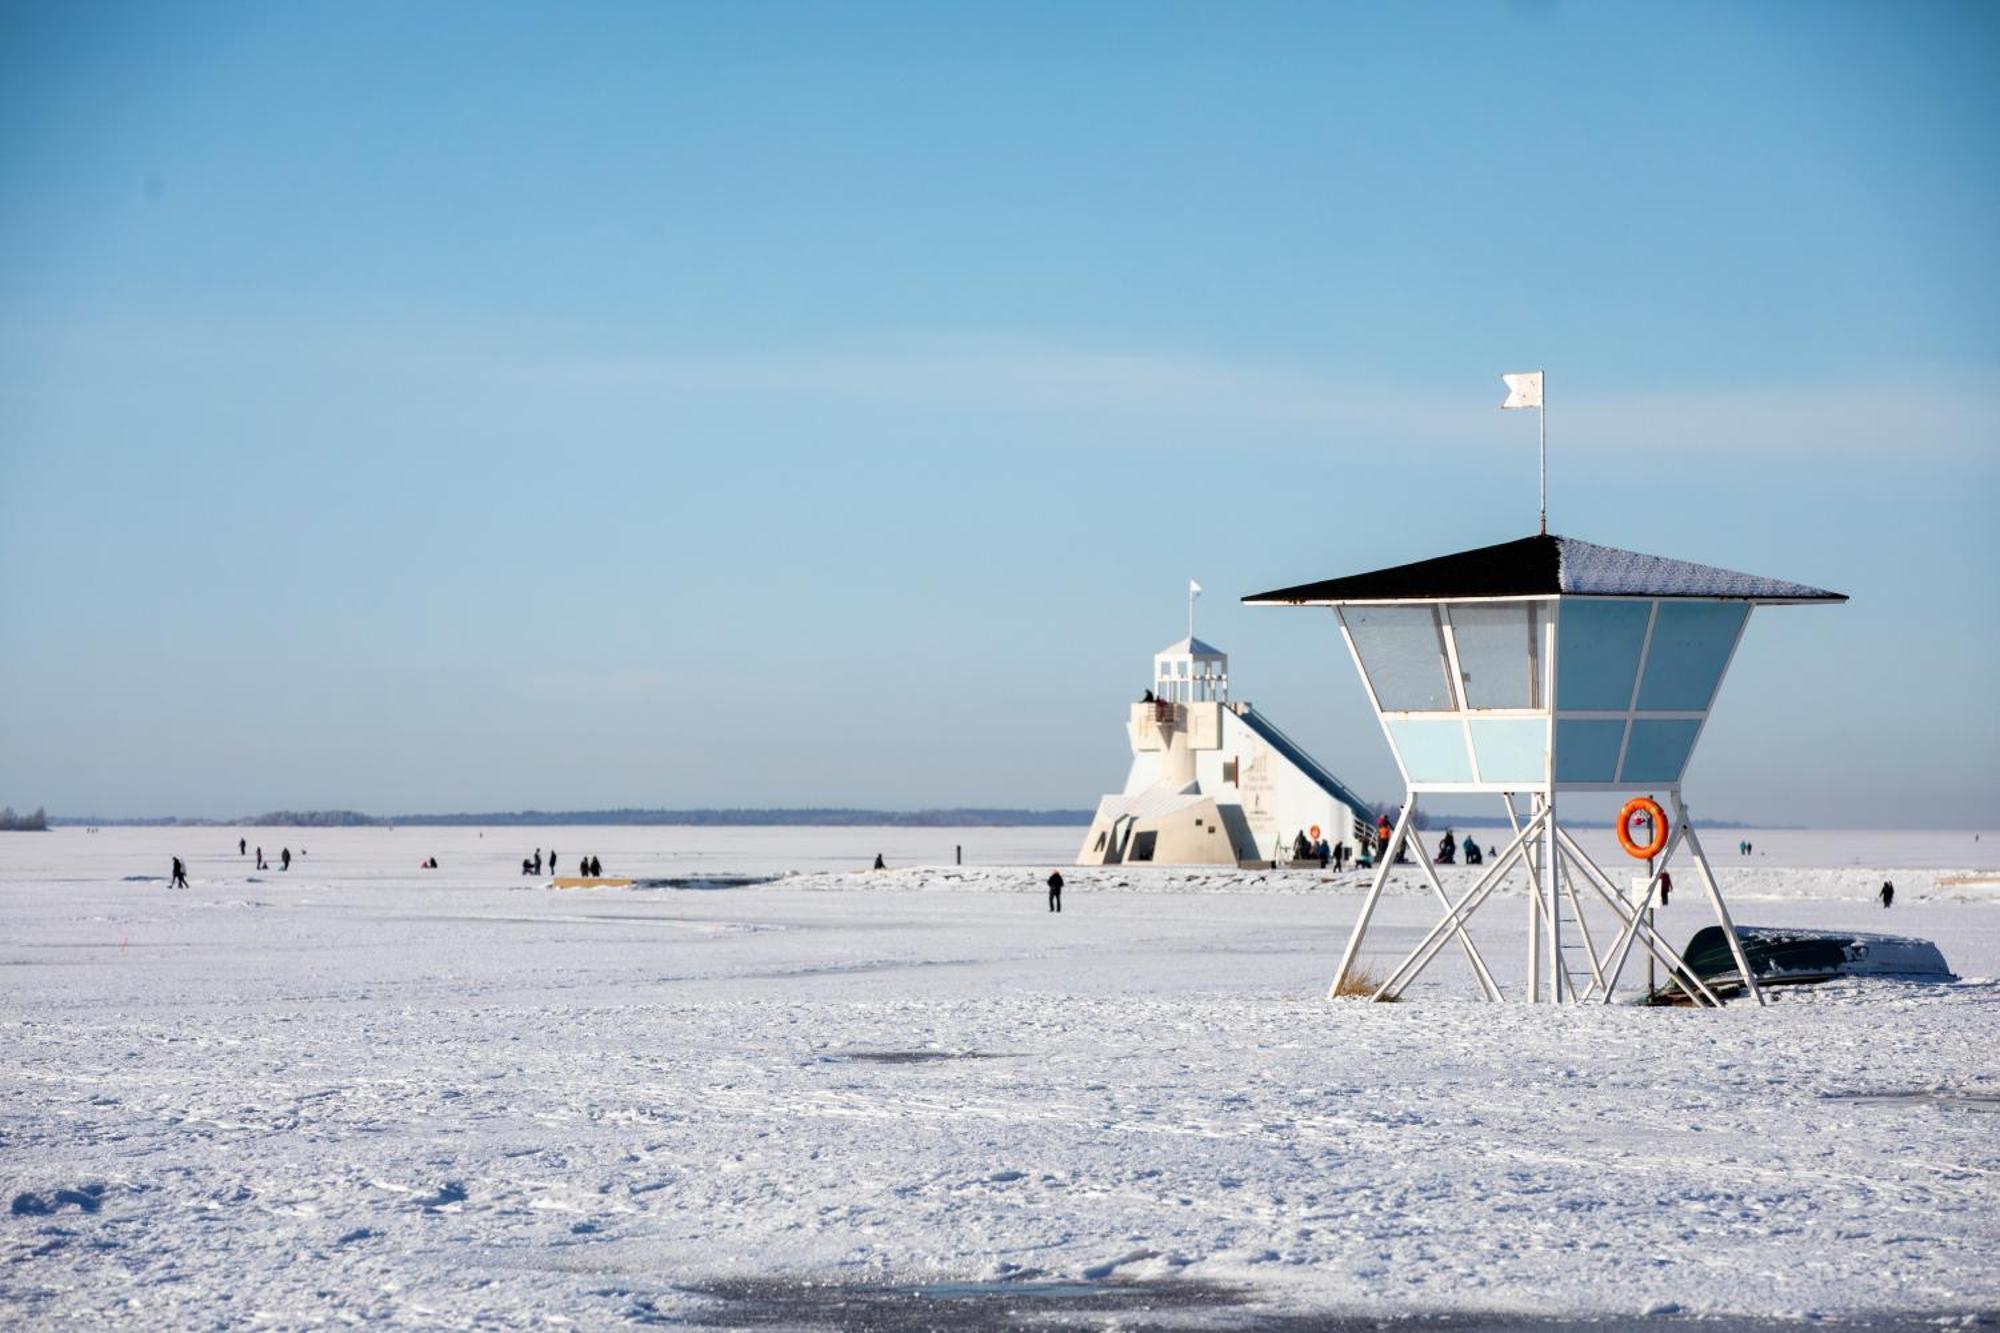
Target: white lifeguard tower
<point>1536,668</point>
<point>1213,781</point>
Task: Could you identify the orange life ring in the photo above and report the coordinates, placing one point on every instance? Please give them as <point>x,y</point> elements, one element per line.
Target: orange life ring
<point>1647,806</point>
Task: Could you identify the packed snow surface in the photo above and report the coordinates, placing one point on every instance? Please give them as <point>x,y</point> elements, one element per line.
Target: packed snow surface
<point>361,1091</point>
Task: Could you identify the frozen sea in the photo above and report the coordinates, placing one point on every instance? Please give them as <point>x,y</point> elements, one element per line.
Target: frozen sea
<point>362,1092</point>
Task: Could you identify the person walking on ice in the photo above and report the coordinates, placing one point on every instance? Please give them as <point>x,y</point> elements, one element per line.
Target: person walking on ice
<point>1055,891</point>
<point>1888,894</point>
<point>180,879</point>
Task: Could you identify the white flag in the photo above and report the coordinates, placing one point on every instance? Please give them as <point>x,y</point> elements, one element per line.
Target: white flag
<point>1194,589</point>
<point>1523,389</point>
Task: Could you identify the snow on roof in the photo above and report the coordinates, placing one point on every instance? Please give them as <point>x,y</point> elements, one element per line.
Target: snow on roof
<point>1541,566</point>
<point>1190,648</point>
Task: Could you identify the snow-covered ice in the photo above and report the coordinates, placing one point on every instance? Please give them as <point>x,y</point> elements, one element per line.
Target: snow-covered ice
<point>458,1098</point>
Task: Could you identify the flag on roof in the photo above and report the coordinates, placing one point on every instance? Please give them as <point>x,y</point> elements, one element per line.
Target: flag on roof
<point>1524,389</point>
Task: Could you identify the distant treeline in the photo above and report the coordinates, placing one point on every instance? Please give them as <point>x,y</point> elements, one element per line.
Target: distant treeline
<point>828,817</point>
<point>10,822</point>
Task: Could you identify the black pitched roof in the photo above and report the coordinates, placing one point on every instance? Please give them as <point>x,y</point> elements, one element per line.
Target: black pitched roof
<point>1541,566</point>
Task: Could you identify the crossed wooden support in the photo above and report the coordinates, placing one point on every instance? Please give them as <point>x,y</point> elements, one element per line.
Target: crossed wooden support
<point>1556,865</point>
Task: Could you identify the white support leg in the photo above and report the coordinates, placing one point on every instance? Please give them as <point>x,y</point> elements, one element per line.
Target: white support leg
<point>1558,969</point>
<point>1479,971</point>
<point>1677,969</point>
<point>1374,895</point>
<point>1621,947</point>
<point>1582,931</point>
<point>1419,957</point>
<point>1715,899</point>
<point>1534,897</point>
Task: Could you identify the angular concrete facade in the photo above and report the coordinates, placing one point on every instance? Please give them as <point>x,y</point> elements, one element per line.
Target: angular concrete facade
<point>1214,782</point>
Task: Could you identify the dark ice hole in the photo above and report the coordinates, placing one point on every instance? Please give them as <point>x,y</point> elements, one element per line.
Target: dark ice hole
<point>992,1306</point>
<point>911,1057</point>
<point>1953,1097</point>
<point>1176,1306</point>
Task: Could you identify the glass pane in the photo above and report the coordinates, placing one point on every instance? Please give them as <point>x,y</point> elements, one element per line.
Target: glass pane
<point>1499,654</point>
<point>1597,654</point>
<point>1511,749</point>
<point>1432,751</point>
<point>1658,750</point>
<point>1691,645</point>
<point>1402,650</point>
<point>1587,751</point>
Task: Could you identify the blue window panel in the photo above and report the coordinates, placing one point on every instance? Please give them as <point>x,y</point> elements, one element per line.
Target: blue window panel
<point>1658,750</point>
<point>1691,644</point>
<point>1403,654</point>
<point>1500,653</point>
<point>1513,749</point>
<point>1587,751</point>
<point>1597,653</point>
<point>1432,751</point>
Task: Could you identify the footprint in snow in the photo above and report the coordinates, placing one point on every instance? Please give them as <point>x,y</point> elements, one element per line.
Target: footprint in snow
<point>448,1193</point>
<point>88,1199</point>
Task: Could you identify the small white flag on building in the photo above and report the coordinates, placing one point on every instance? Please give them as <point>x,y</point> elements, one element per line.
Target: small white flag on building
<point>1194,589</point>
<point>1524,389</point>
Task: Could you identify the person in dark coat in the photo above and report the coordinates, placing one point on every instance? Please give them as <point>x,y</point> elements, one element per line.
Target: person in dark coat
<point>1055,890</point>
<point>285,857</point>
<point>260,860</point>
<point>242,846</point>
<point>1888,894</point>
<point>180,879</point>
<point>879,863</point>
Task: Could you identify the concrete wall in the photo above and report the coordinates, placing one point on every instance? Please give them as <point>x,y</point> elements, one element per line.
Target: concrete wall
<point>1230,763</point>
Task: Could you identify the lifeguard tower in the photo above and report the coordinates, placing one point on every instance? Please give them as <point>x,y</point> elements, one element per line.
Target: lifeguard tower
<point>1534,669</point>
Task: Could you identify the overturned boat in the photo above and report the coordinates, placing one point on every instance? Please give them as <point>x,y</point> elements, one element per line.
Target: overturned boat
<point>1793,956</point>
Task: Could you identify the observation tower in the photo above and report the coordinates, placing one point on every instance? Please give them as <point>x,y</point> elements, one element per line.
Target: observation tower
<point>1533,669</point>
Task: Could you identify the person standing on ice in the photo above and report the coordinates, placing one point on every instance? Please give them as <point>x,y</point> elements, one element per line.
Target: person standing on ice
<point>180,879</point>
<point>1055,890</point>
<point>285,858</point>
<point>260,860</point>
<point>1888,894</point>
<point>242,846</point>
<point>879,864</point>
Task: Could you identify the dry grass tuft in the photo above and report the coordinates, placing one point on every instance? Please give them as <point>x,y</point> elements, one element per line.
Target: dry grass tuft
<point>1360,984</point>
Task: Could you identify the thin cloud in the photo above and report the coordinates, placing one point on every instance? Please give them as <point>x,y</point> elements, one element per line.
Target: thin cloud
<point>1847,418</point>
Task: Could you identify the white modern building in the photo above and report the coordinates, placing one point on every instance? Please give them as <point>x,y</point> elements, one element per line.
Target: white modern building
<point>1213,782</point>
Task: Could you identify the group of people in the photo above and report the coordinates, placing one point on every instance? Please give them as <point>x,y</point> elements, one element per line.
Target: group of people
<point>1336,856</point>
<point>589,867</point>
<point>1449,848</point>
<point>1744,848</point>
<point>284,854</point>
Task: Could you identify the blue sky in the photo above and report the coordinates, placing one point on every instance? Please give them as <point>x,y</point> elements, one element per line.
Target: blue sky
<point>473,407</point>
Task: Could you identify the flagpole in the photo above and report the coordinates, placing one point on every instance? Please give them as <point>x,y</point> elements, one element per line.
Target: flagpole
<point>1191,597</point>
<point>1542,411</point>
